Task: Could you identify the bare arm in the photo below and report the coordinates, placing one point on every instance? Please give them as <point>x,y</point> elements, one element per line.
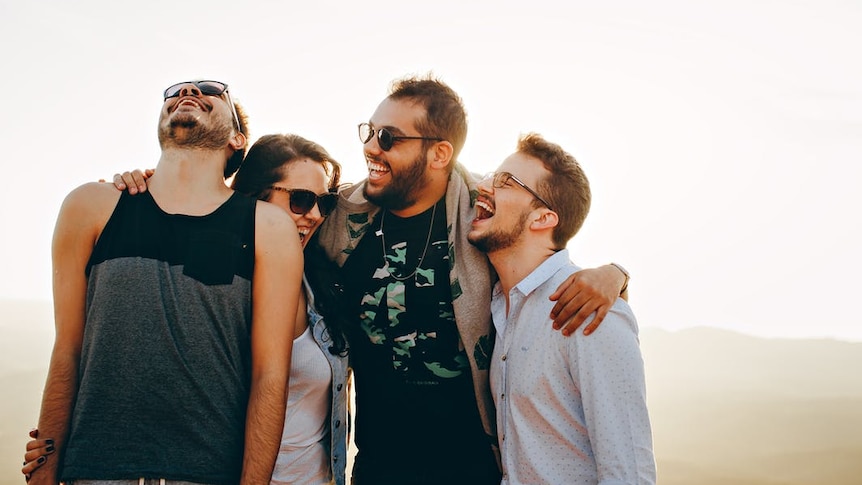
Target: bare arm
<point>277,282</point>
<point>585,292</point>
<point>82,216</point>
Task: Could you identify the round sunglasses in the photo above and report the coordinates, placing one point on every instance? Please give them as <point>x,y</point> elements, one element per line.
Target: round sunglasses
<point>385,138</point>
<point>302,200</point>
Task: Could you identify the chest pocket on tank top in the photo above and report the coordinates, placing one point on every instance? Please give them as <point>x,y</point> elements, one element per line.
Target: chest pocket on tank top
<point>211,257</point>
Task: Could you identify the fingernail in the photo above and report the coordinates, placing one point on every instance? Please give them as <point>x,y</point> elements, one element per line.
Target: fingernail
<point>49,449</point>
<point>41,459</point>
<point>133,190</point>
<point>49,441</point>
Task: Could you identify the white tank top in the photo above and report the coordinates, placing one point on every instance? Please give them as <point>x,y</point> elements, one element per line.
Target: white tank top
<point>303,458</point>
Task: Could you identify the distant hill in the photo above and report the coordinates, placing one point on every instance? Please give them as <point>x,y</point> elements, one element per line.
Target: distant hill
<point>730,408</point>
<point>726,408</point>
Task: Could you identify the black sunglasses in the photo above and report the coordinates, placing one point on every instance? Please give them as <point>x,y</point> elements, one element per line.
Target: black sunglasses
<point>207,88</point>
<point>302,200</point>
<point>500,179</point>
<point>385,138</point>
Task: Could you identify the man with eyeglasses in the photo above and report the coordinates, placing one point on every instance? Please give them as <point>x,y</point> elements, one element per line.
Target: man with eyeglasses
<point>172,354</point>
<point>568,410</point>
<point>417,296</point>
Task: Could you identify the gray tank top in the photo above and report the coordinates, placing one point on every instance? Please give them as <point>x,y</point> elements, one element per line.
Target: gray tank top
<point>166,357</point>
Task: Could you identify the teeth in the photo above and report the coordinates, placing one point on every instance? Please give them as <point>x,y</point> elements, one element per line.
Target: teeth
<point>377,167</point>
<point>484,205</point>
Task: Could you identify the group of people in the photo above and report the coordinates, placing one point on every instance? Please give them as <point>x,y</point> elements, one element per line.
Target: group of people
<point>209,333</point>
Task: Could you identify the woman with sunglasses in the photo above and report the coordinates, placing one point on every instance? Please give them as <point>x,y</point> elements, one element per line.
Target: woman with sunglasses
<point>299,176</point>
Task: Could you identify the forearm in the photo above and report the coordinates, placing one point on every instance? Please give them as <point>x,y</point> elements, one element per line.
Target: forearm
<point>55,415</point>
<point>264,423</point>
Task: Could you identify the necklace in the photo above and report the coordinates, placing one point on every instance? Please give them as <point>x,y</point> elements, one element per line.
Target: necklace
<point>379,232</point>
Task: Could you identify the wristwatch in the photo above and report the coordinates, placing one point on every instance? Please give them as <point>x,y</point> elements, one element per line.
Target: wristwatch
<point>626,274</point>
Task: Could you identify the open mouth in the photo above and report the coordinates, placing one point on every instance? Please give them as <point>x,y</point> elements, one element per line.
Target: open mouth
<point>303,233</point>
<point>377,169</point>
<point>484,210</point>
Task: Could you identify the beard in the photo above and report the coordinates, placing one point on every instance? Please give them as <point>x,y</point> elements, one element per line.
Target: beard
<point>402,191</point>
<point>499,239</point>
<point>184,130</point>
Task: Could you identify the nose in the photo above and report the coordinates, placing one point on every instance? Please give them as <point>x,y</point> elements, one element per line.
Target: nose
<point>314,213</point>
<point>486,184</point>
<point>373,144</point>
<point>190,89</point>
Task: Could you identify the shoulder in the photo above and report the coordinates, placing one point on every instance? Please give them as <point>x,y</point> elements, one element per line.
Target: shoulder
<point>274,230</point>
<point>91,200</point>
<point>267,214</point>
<point>617,334</point>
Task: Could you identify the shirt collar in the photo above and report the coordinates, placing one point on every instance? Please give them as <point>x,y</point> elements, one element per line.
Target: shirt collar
<point>543,272</point>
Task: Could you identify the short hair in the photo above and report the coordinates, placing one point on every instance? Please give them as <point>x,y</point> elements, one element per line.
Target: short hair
<point>445,116</point>
<point>566,186</point>
<point>235,160</point>
<point>270,155</point>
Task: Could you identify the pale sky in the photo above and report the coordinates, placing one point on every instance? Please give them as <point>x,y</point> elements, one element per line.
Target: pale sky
<point>722,139</point>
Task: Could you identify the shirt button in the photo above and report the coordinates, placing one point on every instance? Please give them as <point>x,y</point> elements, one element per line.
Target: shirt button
<point>503,357</point>
<point>338,388</point>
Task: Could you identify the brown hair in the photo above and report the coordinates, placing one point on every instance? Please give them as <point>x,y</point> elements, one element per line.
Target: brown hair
<point>566,188</point>
<point>271,154</point>
<point>445,116</point>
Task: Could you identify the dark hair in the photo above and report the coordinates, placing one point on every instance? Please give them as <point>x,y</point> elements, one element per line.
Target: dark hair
<point>269,157</point>
<point>236,159</point>
<point>264,166</point>
<point>445,116</point>
<point>566,188</point>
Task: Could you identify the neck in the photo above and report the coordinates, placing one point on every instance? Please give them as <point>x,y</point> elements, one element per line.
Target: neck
<point>190,180</point>
<point>430,195</point>
<point>516,262</point>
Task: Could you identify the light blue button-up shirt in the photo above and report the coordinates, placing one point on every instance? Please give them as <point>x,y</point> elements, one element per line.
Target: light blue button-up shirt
<point>570,410</point>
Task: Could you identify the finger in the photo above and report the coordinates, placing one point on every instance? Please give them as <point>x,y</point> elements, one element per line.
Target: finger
<point>34,433</point>
<point>119,183</point>
<point>138,180</point>
<point>601,313</point>
<point>569,307</point>
<point>33,465</point>
<point>562,288</point>
<point>578,318</point>
<point>34,453</point>
<point>38,443</point>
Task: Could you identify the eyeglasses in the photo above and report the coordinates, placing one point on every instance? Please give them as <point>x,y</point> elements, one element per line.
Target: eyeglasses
<point>207,88</point>
<point>302,200</point>
<point>385,138</point>
<point>500,179</point>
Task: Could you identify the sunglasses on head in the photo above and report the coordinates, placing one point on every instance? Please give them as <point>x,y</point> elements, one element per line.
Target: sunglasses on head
<point>385,138</point>
<point>302,200</point>
<point>207,88</point>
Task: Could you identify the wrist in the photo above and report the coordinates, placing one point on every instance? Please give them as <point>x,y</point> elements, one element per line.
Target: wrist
<point>626,277</point>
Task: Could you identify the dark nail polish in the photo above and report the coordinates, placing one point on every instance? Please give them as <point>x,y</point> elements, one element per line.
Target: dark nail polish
<point>49,449</point>
<point>41,460</point>
<point>49,442</point>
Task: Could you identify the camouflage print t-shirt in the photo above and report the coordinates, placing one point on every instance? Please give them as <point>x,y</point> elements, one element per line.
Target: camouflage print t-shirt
<point>416,419</point>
